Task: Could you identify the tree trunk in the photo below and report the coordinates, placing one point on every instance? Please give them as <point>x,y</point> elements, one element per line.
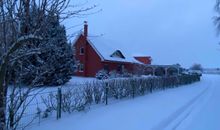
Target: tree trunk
<point>3,93</point>
<point>2,107</point>
<point>2,112</point>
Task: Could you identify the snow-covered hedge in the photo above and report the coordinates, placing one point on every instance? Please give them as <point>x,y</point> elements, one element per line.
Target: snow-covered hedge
<point>103,74</point>
<point>101,91</point>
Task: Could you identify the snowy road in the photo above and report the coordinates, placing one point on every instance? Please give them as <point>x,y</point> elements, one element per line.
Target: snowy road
<point>192,107</point>
<point>206,115</point>
<point>202,112</point>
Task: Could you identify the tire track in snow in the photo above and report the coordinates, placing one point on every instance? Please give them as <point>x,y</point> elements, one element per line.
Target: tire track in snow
<point>194,109</point>
<point>184,115</point>
<point>174,116</point>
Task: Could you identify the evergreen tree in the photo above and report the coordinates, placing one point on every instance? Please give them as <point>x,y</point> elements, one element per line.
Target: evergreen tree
<point>56,53</point>
<point>54,64</point>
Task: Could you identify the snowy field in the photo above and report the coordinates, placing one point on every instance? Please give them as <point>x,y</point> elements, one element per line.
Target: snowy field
<point>79,80</point>
<point>192,107</point>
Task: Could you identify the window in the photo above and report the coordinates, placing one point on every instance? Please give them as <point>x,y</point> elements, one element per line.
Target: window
<point>81,67</point>
<point>106,67</point>
<point>123,68</point>
<point>82,51</point>
<point>119,68</point>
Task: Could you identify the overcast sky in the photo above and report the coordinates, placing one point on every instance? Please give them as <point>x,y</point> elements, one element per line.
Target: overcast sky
<point>171,31</point>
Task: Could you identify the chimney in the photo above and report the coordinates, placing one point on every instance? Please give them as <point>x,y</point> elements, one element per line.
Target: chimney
<point>85,28</point>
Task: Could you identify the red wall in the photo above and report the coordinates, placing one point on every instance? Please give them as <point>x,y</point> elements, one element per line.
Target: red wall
<point>81,58</point>
<point>94,63</point>
<point>90,59</point>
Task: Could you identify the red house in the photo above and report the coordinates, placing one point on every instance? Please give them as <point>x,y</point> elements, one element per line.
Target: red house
<point>93,54</point>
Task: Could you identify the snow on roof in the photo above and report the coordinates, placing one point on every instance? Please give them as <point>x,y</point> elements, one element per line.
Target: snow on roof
<point>104,48</point>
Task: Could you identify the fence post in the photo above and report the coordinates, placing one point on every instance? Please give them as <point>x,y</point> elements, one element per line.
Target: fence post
<point>106,93</point>
<point>59,103</point>
<point>133,88</point>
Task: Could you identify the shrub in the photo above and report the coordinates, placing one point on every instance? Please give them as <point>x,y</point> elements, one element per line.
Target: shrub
<point>78,99</point>
<point>115,74</point>
<point>102,74</point>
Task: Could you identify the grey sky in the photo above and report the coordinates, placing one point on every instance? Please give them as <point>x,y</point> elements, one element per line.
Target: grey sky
<point>171,31</point>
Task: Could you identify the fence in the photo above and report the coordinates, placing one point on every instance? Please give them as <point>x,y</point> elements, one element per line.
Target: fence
<point>49,105</point>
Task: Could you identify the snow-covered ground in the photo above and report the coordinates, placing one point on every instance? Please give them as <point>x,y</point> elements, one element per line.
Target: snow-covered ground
<point>192,107</point>
<point>79,80</point>
<point>74,82</point>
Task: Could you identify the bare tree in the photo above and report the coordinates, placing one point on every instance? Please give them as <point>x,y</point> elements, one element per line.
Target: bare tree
<point>217,18</point>
<point>13,37</point>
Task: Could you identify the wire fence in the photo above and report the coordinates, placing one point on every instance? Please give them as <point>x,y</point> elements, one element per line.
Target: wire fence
<point>47,105</point>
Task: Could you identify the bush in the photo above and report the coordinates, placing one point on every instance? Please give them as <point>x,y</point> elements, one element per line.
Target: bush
<point>115,74</point>
<point>102,74</point>
<point>78,99</point>
<point>196,67</point>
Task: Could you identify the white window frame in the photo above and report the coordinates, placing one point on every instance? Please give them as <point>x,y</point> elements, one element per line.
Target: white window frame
<point>81,68</point>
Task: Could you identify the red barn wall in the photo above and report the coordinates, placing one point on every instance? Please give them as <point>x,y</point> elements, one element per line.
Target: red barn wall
<point>94,63</point>
<point>81,58</point>
<point>90,59</point>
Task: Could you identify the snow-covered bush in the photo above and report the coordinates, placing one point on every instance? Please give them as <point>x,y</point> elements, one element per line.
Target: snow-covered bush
<point>115,74</point>
<point>88,93</point>
<point>118,89</point>
<point>97,94</point>
<point>79,103</point>
<point>93,92</point>
<point>50,102</point>
<point>102,74</point>
<point>196,67</point>
<point>73,100</point>
<point>78,99</point>
<point>68,98</point>
<point>125,73</point>
<point>47,113</point>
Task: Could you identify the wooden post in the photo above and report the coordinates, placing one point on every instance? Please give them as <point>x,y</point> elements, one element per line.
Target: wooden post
<point>59,103</point>
<point>133,88</point>
<point>154,73</point>
<point>166,71</point>
<point>178,71</point>
<point>106,93</point>
<point>151,86</point>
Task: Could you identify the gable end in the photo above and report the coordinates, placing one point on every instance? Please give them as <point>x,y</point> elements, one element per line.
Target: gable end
<point>118,54</point>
